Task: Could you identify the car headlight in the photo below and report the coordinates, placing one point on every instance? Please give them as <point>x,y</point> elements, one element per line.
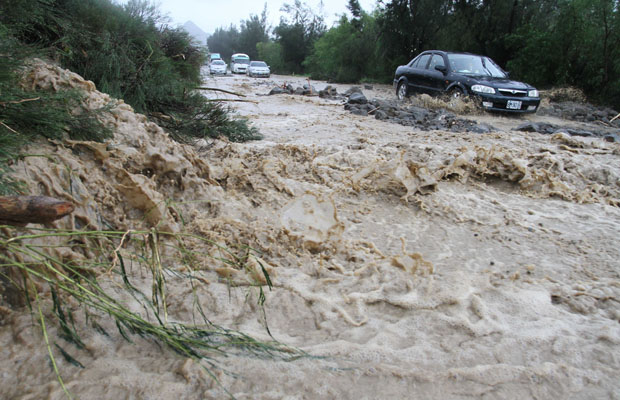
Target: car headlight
<point>482,89</point>
<point>533,93</point>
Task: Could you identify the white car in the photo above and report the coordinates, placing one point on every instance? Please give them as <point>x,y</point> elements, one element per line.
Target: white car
<point>217,67</point>
<point>259,68</point>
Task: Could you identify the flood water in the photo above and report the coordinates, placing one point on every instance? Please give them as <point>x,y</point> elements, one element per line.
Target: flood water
<point>407,264</point>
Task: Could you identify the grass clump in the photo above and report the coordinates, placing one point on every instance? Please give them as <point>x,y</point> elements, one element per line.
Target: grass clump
<point>28,265</point>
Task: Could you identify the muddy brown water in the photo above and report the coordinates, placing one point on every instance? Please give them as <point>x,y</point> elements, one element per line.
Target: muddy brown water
<point>409,264</point>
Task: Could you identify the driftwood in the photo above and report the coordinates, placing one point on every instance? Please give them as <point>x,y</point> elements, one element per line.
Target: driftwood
<point>237,100</point>
<point>220,90</point>
<point>21,210</point>
<point>614,118</point>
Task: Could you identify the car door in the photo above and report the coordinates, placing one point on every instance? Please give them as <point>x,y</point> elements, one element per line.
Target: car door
<point>435,80</point>
<point>415,74</point>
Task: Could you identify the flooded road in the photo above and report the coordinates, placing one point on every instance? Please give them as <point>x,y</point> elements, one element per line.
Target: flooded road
<point>407,264</point>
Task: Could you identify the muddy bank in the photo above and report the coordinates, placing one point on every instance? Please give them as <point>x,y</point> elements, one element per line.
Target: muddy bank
<point>439,263</point>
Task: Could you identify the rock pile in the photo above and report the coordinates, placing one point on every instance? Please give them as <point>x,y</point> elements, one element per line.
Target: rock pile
<point>306,90</point>
<point>329,92</point>
<point>548,129</point>
<point>410,115</point>
<point>582,112</point>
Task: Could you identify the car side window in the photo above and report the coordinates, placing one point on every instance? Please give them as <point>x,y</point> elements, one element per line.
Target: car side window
<point>435,61</point>
<point>422,62</point>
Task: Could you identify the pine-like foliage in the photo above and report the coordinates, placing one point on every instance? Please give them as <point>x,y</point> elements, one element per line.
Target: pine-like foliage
<point>27,114</point>
<point>129,52</point>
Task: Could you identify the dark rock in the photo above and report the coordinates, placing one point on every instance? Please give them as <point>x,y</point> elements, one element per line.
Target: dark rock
<point>357,98</point>
<point>299,91</point>
<point>481,128</point>
<point>527,127</point>
<point>381,115</point>
<point>578,132</point>
<point>418,113</point>
<point>309,89</point>
<point>368,87</point>
<point>358,111</point>
<point>537,127</point>
<point>612,137</point>
<point>276,90</point>
<point>353,89</point>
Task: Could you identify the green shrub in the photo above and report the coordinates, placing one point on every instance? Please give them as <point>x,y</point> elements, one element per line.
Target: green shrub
<point>128,52</point>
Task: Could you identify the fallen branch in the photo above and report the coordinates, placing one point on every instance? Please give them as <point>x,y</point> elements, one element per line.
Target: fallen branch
<point>372,111</point>
<point>238,100</point>
<point>19,101</point>
<point>221,90</point>
<point>21,210</point>
<point>9,128</point>
<point>614,118</point>
<point>602,123</point>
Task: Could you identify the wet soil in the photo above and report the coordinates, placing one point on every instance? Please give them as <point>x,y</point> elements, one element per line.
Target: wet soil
<point>408,263</point>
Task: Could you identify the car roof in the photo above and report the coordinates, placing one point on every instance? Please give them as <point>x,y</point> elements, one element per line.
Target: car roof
<point>451,52</point>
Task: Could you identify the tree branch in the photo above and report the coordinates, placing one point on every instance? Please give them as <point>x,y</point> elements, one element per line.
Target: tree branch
<point>20,210</point>
<point>220,90</point>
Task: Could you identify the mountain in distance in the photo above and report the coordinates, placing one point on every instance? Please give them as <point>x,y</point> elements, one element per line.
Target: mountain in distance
<point>198,34</point>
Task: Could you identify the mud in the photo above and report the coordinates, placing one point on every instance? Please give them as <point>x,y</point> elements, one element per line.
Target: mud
<point>406,263</point>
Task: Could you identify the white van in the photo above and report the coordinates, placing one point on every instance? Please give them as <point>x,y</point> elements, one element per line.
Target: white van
<point>239,63</point>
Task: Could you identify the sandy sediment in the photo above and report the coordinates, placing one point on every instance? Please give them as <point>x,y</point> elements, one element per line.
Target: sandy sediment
<point>408,264</point>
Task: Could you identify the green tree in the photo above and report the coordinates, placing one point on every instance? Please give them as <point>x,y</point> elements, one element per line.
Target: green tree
<point>410,26</point>
<point>254,30</point>
<point>224,41</point>
<point>271,53</point>
<point>348,51</point>
<point>297,33</point>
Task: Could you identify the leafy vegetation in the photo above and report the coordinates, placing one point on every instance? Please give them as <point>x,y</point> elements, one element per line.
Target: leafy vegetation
<point>26,114</point>
<point>129,52</point>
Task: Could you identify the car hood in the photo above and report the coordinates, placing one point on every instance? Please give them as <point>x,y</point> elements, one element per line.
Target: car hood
<point>498,82</point>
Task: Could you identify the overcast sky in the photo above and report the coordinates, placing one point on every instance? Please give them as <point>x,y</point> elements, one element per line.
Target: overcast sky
<point>212,14</point>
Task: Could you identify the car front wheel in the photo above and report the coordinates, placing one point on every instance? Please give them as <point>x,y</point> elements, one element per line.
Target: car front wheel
<point>456,93</point>
<point>401,90</point>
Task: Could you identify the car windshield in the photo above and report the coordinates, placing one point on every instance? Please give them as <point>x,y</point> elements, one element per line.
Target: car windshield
<point>218,62</point>
<point>469,64</point>
<point>258,64</point>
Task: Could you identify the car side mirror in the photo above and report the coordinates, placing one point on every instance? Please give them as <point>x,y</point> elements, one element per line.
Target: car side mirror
<point>441,68</point>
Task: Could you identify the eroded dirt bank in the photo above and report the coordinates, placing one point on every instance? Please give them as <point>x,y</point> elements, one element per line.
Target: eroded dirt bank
<point>411,264</point>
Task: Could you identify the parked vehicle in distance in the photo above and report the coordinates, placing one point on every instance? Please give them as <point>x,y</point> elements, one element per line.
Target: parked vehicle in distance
<point>214,56</point>
<point>239,63</point>
<point>259,68</point>
<point>217,67</point>
<point>457,74</point>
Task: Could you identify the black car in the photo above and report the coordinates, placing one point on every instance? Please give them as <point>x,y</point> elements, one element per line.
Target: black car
<point>457,74</point>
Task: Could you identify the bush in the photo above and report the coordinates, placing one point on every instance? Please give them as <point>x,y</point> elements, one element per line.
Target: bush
<point>128,52</point>
<point>27,114</point>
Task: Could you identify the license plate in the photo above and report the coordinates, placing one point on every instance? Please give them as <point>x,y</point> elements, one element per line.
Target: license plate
<point>513,105</point>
